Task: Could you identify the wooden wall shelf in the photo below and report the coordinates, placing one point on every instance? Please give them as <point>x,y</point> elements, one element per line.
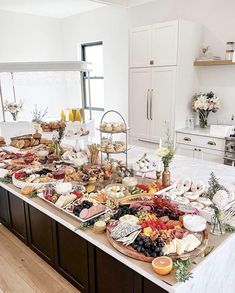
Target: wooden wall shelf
<point>213,63</point>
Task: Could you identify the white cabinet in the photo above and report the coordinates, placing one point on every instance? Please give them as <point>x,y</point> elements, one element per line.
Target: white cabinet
<point>185,150</point>
<point>162,78</point>
<point>213,155</point>
<point>200,147</point>
<point>165,43</point>
<point>162,101</point>
<point>140,46</point>
<point>154,45</point>
<point>151,102</point>
<point>140,84</point>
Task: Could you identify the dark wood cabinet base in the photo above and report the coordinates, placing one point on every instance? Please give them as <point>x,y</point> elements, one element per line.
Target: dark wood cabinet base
<point>87,267</point>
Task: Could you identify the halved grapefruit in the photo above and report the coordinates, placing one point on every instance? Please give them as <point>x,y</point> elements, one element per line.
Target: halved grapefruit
<point>162,265</point>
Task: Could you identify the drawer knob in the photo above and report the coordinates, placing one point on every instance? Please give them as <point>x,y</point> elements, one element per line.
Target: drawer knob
<point>187,138</point>
<point>210,142</point>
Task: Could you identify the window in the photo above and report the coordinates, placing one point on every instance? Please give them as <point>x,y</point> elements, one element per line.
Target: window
<point>93,52</point>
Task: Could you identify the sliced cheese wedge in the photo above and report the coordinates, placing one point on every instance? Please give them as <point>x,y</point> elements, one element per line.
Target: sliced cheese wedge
<point>191,242</point>
<point>63,200</point>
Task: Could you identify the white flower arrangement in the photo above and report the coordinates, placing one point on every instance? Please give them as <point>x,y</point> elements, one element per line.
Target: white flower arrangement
<point>13,108</point>
<point>206,102</point>
<point>166,153</point>
<point>162,152</point>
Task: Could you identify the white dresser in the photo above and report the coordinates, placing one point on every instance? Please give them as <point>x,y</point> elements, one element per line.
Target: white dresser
<point>198,143</point>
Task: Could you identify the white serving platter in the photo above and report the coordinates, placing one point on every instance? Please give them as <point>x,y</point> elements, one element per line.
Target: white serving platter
<point>40,195</point>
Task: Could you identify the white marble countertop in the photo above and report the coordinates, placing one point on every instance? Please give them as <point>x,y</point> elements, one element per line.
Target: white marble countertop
<point>184,167</point>
<point>199,131</point>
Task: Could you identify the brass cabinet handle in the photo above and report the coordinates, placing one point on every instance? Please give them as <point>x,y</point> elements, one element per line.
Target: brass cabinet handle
<point>147,114</point>
<point>151,62</point>
<point>151,105</point>
<point>210,142</point>
<point>187,138</point>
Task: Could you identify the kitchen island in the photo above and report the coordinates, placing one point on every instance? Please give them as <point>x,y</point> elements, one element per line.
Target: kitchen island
<point>89,261</point>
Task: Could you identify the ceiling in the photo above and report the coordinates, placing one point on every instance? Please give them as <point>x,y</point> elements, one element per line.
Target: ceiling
<point>62,8</point>
<point>51,8</point>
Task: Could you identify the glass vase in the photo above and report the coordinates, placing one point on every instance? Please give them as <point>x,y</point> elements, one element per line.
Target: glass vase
<point>217,227</point>
<point>203,117</point>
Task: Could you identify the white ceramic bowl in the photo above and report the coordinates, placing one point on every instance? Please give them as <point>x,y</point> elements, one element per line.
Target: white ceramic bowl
<point>194,223</point>
<point>63,187</point>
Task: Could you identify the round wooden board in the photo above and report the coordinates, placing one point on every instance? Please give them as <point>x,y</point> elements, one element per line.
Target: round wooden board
<point>131,252</point>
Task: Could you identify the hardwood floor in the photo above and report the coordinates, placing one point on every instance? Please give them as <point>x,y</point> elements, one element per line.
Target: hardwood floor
<point>23,271</point>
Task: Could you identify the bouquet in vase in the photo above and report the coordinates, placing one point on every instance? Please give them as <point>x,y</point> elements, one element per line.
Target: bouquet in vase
<point>13,108</point>
<point>204,103</point>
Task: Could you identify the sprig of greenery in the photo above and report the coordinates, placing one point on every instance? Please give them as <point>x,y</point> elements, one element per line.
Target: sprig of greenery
<point>182,273</point>
<point>169,145</point>
<point>229,228</point>
<point>33,194</point>
<point>6,180</point>
<point>60,134</point>
<point>214,186</point>
<point>88,224</point>
<point>208,250</point>
<point>38,114</point>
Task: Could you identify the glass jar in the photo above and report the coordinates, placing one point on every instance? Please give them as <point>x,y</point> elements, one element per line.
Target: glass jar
<point>217,227</point>
<point>230,47</point>
<point>229,55</point>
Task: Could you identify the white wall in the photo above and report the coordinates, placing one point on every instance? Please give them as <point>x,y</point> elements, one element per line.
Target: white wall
<point>218,20</point>
<point>108,24</point>
<point>32,38</point>
<point>29,38</point>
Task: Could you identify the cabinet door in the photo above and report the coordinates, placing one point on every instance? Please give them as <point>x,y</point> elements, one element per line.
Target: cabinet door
<point>165,43</point>
<point>162,101</point>
<point>111,275</point>
<point>185,150</point>
<point>72,258</point>
<point>17,217</point>
<point>40,234</point>
<point>139,102</point>
<point>212,155</point>
<point>140,46</point>
<point>4,207</point>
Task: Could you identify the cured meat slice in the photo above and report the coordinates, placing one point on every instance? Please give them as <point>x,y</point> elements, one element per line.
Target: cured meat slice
<point>84,214</point>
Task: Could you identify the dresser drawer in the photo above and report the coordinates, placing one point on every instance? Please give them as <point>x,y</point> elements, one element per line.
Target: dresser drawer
<point>201,141</point>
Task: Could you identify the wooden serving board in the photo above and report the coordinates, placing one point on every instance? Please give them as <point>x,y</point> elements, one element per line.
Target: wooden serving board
<point>131,252</point>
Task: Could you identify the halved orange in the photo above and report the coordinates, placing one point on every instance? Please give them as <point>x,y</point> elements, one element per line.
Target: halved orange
<point>162,265</point>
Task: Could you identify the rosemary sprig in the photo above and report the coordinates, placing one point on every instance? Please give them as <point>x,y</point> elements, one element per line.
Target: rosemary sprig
<point>88,224</point>
<point>229,228</point>
<point>6,180</point>
<point>214,186</point>
<point>182,273</point>
<point>208,250</point>
<point>33,194</point>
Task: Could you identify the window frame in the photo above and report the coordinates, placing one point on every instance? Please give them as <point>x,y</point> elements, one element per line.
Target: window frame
<point>85,77</point>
